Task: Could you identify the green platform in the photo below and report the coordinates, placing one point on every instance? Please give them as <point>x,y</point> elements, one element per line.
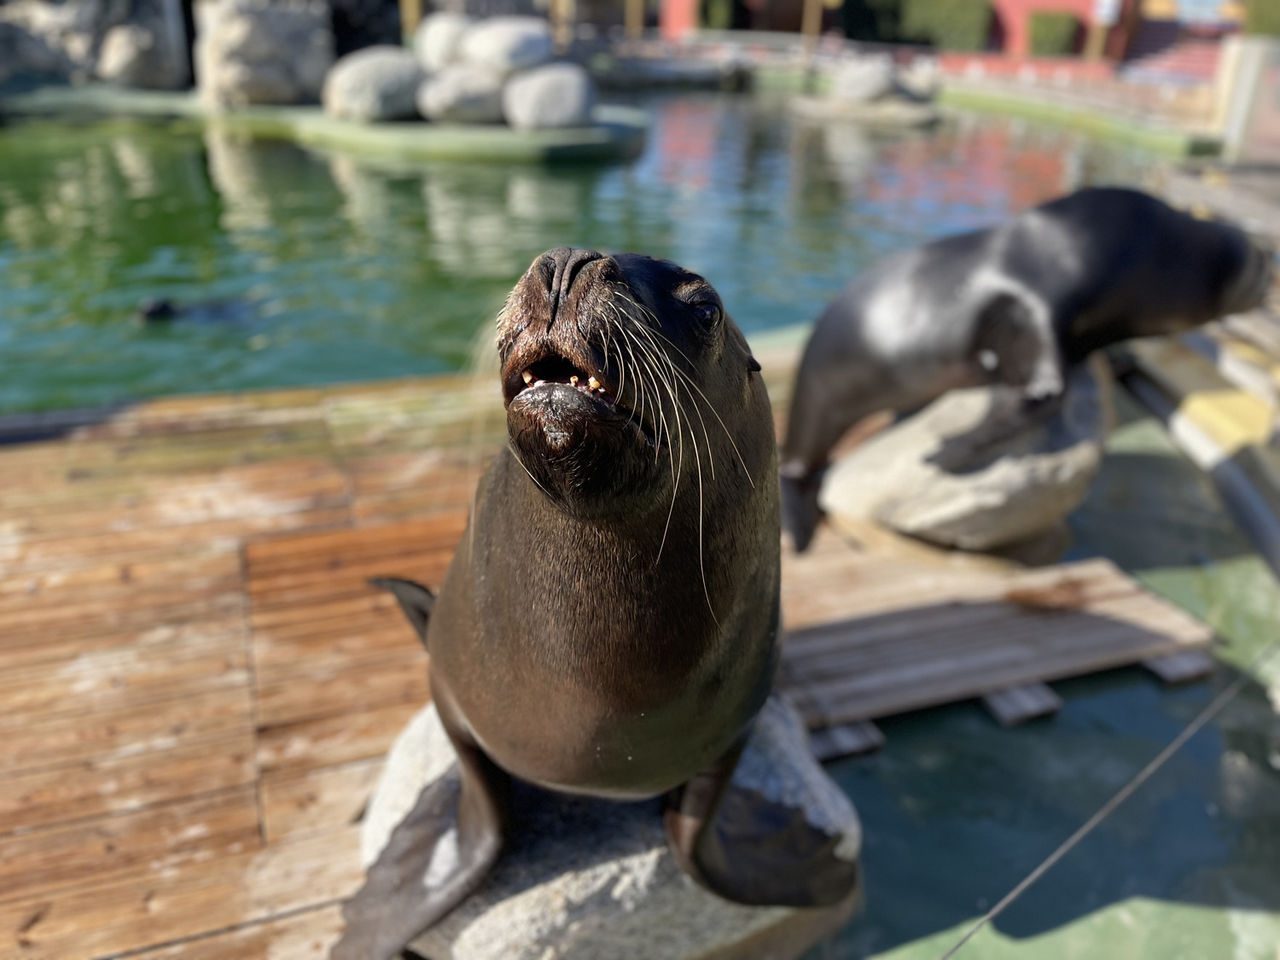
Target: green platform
<point>618,132</point>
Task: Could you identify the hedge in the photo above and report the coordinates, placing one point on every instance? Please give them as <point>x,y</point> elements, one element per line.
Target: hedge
<point>948,24</point>
<point>1263,16</point>
<point>1054,34</point>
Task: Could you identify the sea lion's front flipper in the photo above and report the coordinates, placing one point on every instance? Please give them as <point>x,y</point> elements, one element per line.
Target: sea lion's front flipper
<point>436,855</point>
<point>751,849</point>
<point>415,600</point>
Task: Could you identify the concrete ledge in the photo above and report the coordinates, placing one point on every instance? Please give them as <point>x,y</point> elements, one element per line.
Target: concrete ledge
<point>1092,119</point>
<point>1222,428</point>
<point>618,133</point>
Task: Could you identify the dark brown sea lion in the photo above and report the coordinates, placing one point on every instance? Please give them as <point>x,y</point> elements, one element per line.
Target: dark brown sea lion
<point>1015,305</point>
<point>609,623</point>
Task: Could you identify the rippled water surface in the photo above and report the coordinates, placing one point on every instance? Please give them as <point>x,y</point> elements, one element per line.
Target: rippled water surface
<point>306,267</point>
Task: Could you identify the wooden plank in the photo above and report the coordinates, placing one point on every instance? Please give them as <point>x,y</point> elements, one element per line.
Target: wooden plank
<point>155,840</point>
<point>126,730</point>
<point>323,799</point>
<point>94,788</point>
<point>82,682</point>
<point>1181,667</point>
<point>344,685</point>
<point>844,740</point>
<point>329,741</point>
<point>1014,705</point>
<point>194,899</point>
<point>303,936</point>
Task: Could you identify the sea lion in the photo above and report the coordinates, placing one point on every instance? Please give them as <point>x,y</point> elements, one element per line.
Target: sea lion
<point>1013,305</point>
<point>609,623</point>
<point>163,311</point>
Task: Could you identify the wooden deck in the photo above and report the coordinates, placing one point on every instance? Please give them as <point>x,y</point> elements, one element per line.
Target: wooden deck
<point>198,686</point>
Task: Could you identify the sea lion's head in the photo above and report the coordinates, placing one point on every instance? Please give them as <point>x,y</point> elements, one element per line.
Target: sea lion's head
<point>623,379</point>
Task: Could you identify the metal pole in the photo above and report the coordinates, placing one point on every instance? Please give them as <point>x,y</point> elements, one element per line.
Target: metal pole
<point>635,19</point>
<point>410,16</point>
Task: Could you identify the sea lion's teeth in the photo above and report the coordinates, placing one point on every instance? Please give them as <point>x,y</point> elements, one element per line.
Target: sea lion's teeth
<point>593,383</point>
<point>528,377</point>
<point>573,381</point>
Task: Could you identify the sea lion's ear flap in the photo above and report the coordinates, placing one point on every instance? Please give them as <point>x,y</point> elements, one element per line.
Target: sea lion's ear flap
<point>753,365</point>
<point>415,600</point>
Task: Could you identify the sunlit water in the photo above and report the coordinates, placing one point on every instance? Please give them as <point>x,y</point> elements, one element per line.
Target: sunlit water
<point>321,268</point>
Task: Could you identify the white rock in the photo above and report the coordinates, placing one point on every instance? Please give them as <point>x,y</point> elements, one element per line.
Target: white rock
<point>557,95</point>
<point>583,879</point>
<point>438,40</point>
<point>1024,487</point>
<point>133,56</point>
<point>461,94</point>
<point>863,79</point>
<point>376,83</point>
<point>239,46</point>
<point>507,44</point>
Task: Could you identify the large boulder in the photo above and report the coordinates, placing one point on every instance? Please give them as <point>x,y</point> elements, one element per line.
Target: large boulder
<point>983,499</point>
<point>582,879</point>
<point>133,56</point>
<point>504,45</point>
<point>437,43</point>
<point>557,95</point>
<point>240,45</point>
<point>376,83</point>
<point>462,94</point>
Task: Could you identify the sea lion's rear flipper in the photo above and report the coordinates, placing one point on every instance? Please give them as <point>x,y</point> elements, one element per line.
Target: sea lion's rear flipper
<point>415,600</point>
<point>800,510</point>
<point>436,855</point>
<point>751,849</point>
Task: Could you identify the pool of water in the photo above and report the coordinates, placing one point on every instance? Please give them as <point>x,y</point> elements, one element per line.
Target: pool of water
<point>317,267</point>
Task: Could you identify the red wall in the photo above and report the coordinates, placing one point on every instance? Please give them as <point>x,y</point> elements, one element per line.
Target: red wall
<point>1015,17</point>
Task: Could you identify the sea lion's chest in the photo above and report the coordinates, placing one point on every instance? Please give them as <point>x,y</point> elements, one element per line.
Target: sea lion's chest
<point>602,687</point>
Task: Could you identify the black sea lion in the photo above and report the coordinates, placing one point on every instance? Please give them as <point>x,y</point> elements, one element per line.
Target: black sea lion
<point>609,623</point>
<point>1015,305</point>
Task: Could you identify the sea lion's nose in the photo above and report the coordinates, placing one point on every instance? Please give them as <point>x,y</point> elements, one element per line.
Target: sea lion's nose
<point>561,266</point>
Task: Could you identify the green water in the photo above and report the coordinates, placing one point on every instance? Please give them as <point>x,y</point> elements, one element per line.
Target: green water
<point>322,269</point>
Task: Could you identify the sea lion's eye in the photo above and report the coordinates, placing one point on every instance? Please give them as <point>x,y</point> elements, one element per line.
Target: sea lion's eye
<point>707,311</point>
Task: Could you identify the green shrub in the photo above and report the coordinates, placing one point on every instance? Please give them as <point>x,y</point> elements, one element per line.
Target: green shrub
<point>1263,17</point>
<point>874,21</point>
<point>947,24</point>
<point>1054,34</point>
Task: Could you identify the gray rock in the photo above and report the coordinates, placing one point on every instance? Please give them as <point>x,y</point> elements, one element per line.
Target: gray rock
<point>1023,487</point>
<point>133,56</point>
<point>461,94</point>
<point>376,83</point>
<point>583,879</point>
<point>238,51</point>
<point>437,43</point>
<point>557,95</point>
<point>507,44</point>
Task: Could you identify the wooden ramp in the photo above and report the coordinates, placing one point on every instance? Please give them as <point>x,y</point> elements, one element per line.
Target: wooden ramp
<point>197,686</point>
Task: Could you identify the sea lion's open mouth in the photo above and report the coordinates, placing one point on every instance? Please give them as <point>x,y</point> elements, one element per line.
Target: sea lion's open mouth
<point>555,369</point>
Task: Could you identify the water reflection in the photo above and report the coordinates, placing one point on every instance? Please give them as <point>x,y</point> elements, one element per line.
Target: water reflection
<point>358,271</point>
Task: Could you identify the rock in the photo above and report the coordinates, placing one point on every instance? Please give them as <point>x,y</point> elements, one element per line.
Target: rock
<point>462,94</point>
<point>1025,486</point>
<point>864,79</point>
<point>507,44</point>
<point>376,83</point>
<point>557,95</point>
<point>583,879</point>
<point>22,54</point>
<point>437,43</point>
<point>133,56</point>
<point>238,51</point>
